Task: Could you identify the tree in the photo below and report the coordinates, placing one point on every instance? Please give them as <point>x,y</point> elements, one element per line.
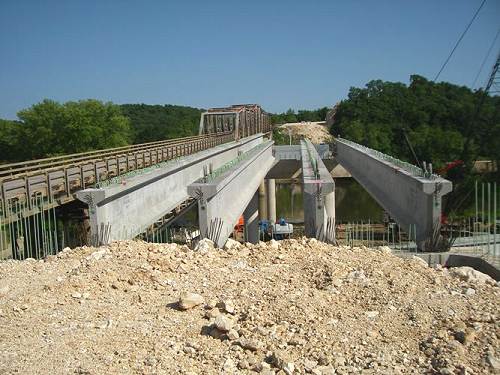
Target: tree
<point>50,128</point>
<point>435,117</point>
<point>10,140</point>
<point>158,122</point>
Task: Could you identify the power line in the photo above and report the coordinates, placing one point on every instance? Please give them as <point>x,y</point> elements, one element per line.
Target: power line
<point>459,40</point>
<point>485,58</point>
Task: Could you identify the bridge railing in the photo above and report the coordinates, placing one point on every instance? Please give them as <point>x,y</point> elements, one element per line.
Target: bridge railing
<point>59,177</point>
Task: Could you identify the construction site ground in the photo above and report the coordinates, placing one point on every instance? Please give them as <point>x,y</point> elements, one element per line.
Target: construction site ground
<point>289,307</point>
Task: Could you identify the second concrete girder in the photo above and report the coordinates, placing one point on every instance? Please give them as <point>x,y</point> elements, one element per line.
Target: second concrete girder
<point>223,199</point>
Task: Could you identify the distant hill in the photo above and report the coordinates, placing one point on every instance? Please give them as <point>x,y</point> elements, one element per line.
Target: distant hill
<point>157,122</point>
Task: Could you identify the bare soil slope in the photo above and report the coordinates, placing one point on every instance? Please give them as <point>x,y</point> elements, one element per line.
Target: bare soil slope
<point>317,132</point>
<point>289,307</point>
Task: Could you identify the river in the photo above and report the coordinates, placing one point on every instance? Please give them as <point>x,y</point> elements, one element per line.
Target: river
<point>352,202</point>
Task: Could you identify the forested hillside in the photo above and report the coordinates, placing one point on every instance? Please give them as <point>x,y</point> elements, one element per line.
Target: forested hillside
<point>301,115</point>
<point>157,122</point>
<point>50,128</point>
<point>437,118</point>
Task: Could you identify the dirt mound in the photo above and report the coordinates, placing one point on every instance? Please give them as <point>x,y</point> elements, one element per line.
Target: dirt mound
<point>317,132</point>
<point>289,307</point>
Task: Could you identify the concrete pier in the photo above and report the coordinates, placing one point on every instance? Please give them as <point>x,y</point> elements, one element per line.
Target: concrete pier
<point>271,199</point>
<point>262,201</point>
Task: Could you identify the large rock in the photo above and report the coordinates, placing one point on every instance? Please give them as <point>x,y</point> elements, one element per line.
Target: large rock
<point>205,245</point>
<point>189,300</point>
<point>231,244</point>
<point>469,274</point>
<point>223,323</point>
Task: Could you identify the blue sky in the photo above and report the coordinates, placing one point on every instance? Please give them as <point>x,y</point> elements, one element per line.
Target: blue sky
<point>281,54</point>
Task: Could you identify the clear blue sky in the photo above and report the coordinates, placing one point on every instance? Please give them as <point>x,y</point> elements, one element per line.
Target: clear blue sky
<point>281,54</point>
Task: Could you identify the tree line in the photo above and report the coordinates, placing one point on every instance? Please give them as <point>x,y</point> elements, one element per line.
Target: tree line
<point>50,128</point>
<point>436,118</point>
<point>299,116</point>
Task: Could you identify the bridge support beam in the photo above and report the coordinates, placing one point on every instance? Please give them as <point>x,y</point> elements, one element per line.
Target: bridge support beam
<point>262,201</point>
<point>411,198</point>
<point>123,210</point>
<point>225,195</point>
<point>319,195</point>
<point>271,199</point>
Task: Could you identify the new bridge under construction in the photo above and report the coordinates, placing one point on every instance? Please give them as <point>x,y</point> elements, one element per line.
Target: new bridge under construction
<point>228,171</point>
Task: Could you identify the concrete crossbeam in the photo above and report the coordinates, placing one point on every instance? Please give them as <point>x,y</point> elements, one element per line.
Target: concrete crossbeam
<point>319,190</point>
<point>409,198</point>
<point>122,211</point>
<point>222,200</point>
<point>293,152</point>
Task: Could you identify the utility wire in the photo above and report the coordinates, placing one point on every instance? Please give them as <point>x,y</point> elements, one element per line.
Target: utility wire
<point>486,58</point>
<point>459,40</point>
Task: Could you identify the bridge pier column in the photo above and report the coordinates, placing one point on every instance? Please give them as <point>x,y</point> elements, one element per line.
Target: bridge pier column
<point>271,199</point>
<point>262,201</point>
<point>251,219</point>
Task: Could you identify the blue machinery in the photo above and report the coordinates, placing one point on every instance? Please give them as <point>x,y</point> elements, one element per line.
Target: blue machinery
<point>277,231</point>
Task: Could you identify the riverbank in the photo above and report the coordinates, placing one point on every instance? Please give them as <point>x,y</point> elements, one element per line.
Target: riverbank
<point>292,306</point>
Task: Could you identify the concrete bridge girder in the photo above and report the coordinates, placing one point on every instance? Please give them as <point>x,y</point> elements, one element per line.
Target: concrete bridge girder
<point>411,200</point>
<point>125,210</point>
<point>222,201</point>
<point>319,195</point>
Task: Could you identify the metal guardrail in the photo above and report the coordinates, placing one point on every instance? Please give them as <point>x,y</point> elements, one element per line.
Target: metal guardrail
<point>58,178</point>
<point>410,168</point>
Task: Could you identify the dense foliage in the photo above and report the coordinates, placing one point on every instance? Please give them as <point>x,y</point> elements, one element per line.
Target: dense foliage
<point>50,128</point>
<point>301,115</point>
<point>437,118</point>
<point>158,122</point>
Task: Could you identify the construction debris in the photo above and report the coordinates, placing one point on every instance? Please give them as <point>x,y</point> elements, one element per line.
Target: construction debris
<point>293,307</point>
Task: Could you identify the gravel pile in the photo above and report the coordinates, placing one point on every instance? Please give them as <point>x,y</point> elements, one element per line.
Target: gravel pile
<point>290,307</point>
<point>317,132</point>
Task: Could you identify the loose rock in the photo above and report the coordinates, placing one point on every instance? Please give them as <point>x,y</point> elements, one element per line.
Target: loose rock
<point>189,300</point>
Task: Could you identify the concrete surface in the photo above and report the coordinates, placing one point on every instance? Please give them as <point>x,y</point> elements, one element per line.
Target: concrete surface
<point>317,222</point>
<point>224,199</point>
<point>126,210</point>
<point>410,200</point>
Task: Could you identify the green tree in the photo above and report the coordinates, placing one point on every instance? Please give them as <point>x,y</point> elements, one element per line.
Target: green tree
<point>158,122</point>
<point>50,128</point>
<point>10,141</point>
<point>435,116</point>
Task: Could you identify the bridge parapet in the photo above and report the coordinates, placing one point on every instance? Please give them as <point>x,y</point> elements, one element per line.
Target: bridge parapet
<point>410,195</point>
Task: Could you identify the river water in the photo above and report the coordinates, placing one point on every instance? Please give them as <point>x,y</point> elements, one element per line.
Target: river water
<point>352,203</point>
